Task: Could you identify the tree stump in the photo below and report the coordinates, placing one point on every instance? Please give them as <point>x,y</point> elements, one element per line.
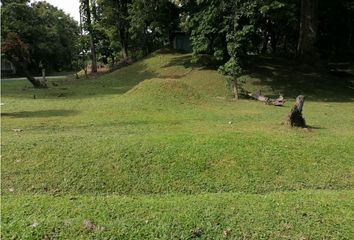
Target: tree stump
<point>295,116</point>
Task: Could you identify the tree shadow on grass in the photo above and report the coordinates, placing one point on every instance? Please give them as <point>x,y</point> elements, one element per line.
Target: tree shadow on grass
<point>292,79</point>
<point>314,127</point>
<point>282,76</point>
<point>41,113</point>
<point>186,61</point>
<point>114,83</point>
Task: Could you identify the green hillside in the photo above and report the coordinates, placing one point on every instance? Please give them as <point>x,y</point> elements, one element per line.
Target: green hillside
<point>156,151</point>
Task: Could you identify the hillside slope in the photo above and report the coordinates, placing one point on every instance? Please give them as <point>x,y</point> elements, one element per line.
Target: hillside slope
<point>155,151</point>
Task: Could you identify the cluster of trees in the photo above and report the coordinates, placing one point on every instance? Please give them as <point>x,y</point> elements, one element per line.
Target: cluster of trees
<point>37,36</point>
<point>229,30</point>
<point>293,27</point>
<point>124,29</point>
<point>225,31</point>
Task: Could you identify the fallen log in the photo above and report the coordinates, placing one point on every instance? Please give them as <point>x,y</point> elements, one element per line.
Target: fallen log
<point>295,117</point>
<point>276,102</point>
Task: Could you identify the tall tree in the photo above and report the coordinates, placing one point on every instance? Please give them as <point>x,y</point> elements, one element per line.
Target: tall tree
<point>208,27</point>
<point>152,23</point>
<point>115,21</point>
<point>278,25</point>
<point>308,29</point>
<point>123,26</point>
<point>85,5</point>
<point>57,34</point>
<point>241,27</point>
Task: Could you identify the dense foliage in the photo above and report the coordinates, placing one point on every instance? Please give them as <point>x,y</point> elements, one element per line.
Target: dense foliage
<point>48,32</point>
<point>112,22</point>
<point>267,26</point>
<point>152,23</point>
<point>135,27</point>
<point>224,31</point>
<point>229,30</point>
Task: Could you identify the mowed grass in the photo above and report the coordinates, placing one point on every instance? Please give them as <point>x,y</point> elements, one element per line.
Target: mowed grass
<point>156,151</point>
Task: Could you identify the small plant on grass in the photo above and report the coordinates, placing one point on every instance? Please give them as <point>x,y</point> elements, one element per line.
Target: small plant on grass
<point>233,70</point>
<point>239,34</point>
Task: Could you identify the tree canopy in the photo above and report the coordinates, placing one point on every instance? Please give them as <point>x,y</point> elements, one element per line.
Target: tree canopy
<point>48,32</point>
<point>227,31</point>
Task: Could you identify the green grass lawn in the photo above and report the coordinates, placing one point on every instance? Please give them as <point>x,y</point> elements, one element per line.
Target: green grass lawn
<point>156,151</point>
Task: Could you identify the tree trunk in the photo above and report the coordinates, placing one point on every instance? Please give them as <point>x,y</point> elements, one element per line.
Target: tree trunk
<point>36,83</point>
<point>43,75</point>
<point>273,41</point>
<point>350,39</point>
<point>125,52</point>
<point>146,42</point>
<point>93,52</point>
<point>124,44</point>
<point>265,43</point>
<point>234,88</point>
<point>123,26</point>
<point>308,29</point>
<point>295,118</point>
<point>85,71</point>
<point>90,30</point>
<point>285,46</point>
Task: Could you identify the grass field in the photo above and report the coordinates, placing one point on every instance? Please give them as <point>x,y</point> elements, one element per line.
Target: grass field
<point>156,151</point>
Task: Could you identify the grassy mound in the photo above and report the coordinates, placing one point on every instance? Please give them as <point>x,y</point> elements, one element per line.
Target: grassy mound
<point>164,90</point>
<point>150,152</point>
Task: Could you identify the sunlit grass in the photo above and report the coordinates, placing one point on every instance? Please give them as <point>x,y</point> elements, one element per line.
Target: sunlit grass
<point>155,150</point>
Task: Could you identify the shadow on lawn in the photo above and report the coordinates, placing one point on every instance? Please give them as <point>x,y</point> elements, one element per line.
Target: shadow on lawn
<point>186,61</point>
<point>292,79</point>
<point>114,83</point>
<point>314,127</point>
<point>281,75</point>
<point>41,113</point>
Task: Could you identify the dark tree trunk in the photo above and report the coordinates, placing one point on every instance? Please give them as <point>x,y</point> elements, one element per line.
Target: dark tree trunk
<point>93,52</point>
<point>268,35</point>
<point>92,39</point>
<point>265,43</point>
<point>285,46</point>
<point>113,60</point>
<point>36,83</point>
<point>146,42</point>
<point>124,43</point>
<point>125,51</point>
<point>273,41</point>
<point>43,75</point>
<point>295,118</point>
<point>122,27</point>
<point>308,30</point>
